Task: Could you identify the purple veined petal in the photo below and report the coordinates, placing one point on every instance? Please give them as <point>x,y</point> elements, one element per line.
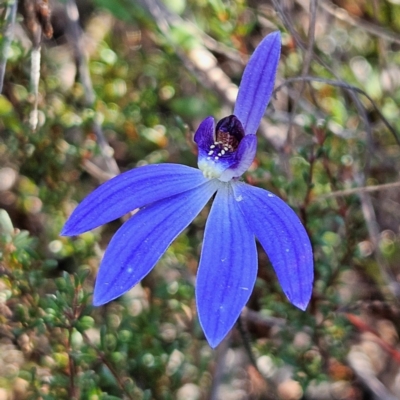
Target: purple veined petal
<point>283,238</point>
<point>128,191</point>
<point>228,267</point>
<point>142,240</point>
<point>205,135</point>
<point>244,157</point>
<point>258,82</point>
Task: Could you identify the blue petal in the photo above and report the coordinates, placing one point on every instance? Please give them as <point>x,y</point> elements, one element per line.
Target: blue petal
<point>140,242</point>
<point>243,158</point>
<point>228,267</point>
<point>205,135</point>
<point>128,191</point>
<point>283,237</point>
<point>258,82</point>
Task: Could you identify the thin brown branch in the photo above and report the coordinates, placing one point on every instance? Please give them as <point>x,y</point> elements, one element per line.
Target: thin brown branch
<point>226,51</point>
<point>311,38</point>
<point>72,370</point>
<point>309,183</point>
<point>98,173</point>
<point>366,189</point>
<point>265,321</point>
<point>72,315</point>
<point>244,333</point>
<point>105,361</point>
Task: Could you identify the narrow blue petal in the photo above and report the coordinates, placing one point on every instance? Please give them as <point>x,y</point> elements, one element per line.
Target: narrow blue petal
<point>228,267</point>
<point>205,136</point>
<point>283,238</point>
<point>128,191</point>
<point>258,82</point>
<point>243,158</point>
<point>142,240</point>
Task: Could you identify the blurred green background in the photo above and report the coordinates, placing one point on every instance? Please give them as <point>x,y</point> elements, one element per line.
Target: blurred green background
<point>124,83</point>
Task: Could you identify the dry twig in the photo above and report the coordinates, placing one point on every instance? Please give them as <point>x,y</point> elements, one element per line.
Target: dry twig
<point>290,27</point>
<point>76,39</point>
<point>10,14</point>
<point>369,27</point>
<point>361,189</point>
<point>374,234</point>
<point>308,56</point>
<point>349,87</point>
<point>37,21</point>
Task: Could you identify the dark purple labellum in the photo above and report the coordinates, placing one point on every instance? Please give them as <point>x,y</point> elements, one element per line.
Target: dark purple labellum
<point>229,132</point>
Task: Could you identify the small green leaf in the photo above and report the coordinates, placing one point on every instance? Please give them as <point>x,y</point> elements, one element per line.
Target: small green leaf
<point>6,225</point>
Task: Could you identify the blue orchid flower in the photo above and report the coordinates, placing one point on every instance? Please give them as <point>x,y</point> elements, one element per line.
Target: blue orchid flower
<point>170,196</point>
